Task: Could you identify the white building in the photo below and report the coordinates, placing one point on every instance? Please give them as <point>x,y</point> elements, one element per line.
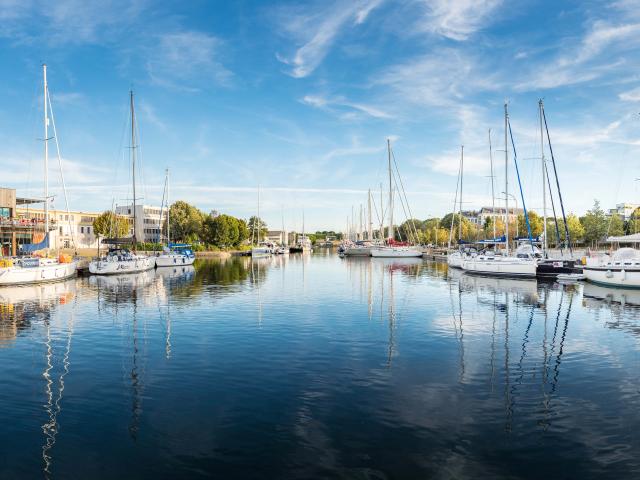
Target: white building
<point>279,237</point>
<point>148,221</point>
<point>625,210</point>
<point>72,228</point>
<point>488,212</point>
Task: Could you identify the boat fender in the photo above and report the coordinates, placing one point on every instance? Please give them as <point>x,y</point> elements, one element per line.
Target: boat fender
<point>624,274</point>
<point>608,274</point>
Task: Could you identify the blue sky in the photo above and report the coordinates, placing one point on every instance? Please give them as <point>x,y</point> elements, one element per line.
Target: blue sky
<point>299,97</point>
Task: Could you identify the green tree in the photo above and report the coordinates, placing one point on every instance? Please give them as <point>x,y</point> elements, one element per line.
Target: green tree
<point>633,224</point>
<point>221,230</point>
<point>469,230</point>
<point>616,225</point>
<point>186,222</point>
<point>595,224</point>
<point>108,224</point>
<point>257,228</point>
<point>535,221</point>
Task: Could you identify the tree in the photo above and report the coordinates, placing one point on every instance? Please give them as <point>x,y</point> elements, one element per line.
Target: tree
<point>616,225</point>
<point>535,221</point>
<point>469,230</point>
<point>595,224</point>
<point>257,227</point>
<point>633,225</point>
<point>108,224</point>
<point>221,230</point>
<point>186,222</point>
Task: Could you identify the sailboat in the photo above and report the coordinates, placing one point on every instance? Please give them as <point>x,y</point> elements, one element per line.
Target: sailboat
<point>120,259</point>
<point>524,262</point>
<point>173,253</point>
<point>392,249</point>
<point>32,269</point>
<point>263,249</point>
<point>454,259</point>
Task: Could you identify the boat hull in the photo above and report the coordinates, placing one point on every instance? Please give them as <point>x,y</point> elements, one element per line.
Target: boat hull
<point>503,267</point>
<point>173,260</point>
<point>395,253</point>
<point>550,268</point>
<point>52,272</point>
<point>613,276</point>
<point>454,260</point>
<point>118,267</point>
<point>357,252</point>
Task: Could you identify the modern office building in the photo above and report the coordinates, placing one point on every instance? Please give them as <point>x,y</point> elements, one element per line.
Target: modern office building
<point>148,221</point>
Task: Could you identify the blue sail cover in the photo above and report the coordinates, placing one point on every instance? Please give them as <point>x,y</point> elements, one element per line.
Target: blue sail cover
<point>491,241</point>
<point>32,247</point>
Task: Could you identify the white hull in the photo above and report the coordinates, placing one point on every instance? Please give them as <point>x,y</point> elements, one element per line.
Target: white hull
<point>395,252</point>
<point>260,252</point>
<point>500,266</point>
<point>174,259</point>
<point>454,260</point>
<point>613,276</point>
<point>48,272</point>
<point>358,252</point>
<point>112,266</point>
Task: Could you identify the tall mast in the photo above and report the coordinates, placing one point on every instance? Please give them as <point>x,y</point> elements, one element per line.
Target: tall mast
<point>493,194</point>
<point>390,233</point>
<point>461,177</point>
<point>544,181</point>
<point>506,178</point>
<point>360,229</point>
<point>258,222</point>
<point>168,209</point>
<point>46,153</point>
<point>133,166</point>
<point>370,223</point>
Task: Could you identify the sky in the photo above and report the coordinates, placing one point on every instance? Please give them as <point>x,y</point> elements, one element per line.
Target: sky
<point>299,98</point>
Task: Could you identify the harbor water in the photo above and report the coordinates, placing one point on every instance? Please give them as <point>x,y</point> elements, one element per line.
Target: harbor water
<point>312,366</point>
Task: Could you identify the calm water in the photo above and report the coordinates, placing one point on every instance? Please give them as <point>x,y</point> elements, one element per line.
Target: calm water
<point>317,367</point>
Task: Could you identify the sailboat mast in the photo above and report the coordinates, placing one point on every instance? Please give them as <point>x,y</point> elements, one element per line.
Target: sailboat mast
<point>493,194</point>
<point>370,223</point>
<point>168,210</point>
<point>461,177</point>
<point>360,228</point>
<point>506,178</point>
<point>390,233</point>
<point>133,166</point>
<point>46,154</point>
<point>258,221</point>
<point>544,182</point>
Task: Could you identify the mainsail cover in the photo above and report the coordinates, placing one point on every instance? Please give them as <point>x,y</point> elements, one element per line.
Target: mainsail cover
<point>32,247</point>
<point>634,238</point>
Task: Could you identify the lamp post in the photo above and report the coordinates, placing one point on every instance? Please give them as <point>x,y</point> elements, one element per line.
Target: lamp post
<point>514,213</point>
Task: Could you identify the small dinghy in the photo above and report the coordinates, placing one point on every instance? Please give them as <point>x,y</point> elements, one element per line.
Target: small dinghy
<point>571,277</point>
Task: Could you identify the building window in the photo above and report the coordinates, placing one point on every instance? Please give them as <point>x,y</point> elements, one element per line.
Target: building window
<point>5,212</point>
<point>81,229</point>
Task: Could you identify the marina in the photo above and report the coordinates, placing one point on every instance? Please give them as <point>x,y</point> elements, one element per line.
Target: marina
<point>240,365</point>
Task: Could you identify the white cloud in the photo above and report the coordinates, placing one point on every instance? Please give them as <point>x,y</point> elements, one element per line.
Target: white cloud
<point>631,95</point>
<point>330,104</point>
<point>185,60</point>
<point>318,30</point>
<point>456,19</point>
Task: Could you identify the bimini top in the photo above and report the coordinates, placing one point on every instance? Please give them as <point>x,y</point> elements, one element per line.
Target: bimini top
<point>117,241</point>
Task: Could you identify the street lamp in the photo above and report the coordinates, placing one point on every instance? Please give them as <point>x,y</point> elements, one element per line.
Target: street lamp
<point>515,214</point>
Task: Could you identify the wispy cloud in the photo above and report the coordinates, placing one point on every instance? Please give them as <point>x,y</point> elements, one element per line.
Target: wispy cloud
<point>458,19</point>
<point>341,103</point>
<point>631,95</point>
<point>317,31</point>
<point>186,60</point>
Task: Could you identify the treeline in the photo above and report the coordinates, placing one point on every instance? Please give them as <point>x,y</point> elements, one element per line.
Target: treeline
<point>191,225</point>
<point>589,230</point>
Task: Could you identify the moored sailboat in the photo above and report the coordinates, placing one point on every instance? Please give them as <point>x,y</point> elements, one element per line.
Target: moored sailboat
<point>34,269</point>
<point>118,258</point>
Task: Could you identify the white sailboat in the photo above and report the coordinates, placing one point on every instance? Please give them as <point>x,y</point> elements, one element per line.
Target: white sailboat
<point>119,259</point>
<point>391,250</point>
<point>620,269</point>
<point>32,269</point>
<point>454,259</point>
<point>177,253</point>
<point>524,262</point>
<point>262,249</point>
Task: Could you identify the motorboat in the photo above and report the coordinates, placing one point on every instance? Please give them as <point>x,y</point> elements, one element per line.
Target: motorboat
<point>264,249</point>
<point>621,269</point>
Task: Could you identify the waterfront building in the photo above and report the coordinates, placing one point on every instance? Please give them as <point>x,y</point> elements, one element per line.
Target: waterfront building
<point>16,230</point>
<point>279,237</point>
<point>148,221</point>
<point>480,217</point>
<point>73,229</point>
<point>624,210</point>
